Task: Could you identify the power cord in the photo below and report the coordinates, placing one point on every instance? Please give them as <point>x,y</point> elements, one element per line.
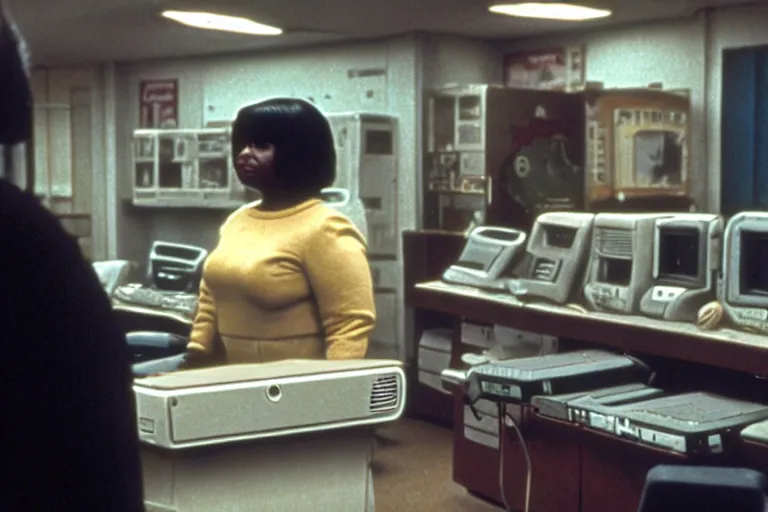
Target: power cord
<point>505,419</point>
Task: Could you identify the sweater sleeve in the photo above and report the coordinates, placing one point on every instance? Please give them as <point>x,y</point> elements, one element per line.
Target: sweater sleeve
<point>340,277</point>
<point>201,339</point>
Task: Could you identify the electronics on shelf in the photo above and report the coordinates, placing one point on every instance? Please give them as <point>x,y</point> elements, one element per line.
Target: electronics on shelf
<point>558,406</point>
<point>620,268</point>
<point>190,168</point>
<point>434,356</point>
<point>637,150</point>
<point>518,380</point>
<point>488,258</point>
<point>255,401</point>
<point>113,273</point>
<point>688,423</point>
<point>367,166</point>
<point>352,207</point>
<point>481,424</point>
<point>173,274</point>
<point>176,267</point>
<point>148,298</point>
<point>743,291</point>
<point>686,263</point>
<point>556,256</point>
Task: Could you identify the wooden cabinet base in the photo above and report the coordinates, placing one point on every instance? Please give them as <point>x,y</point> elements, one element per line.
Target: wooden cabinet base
<point>614,472</point>
<point>554,452</point>
<point>475,465</point>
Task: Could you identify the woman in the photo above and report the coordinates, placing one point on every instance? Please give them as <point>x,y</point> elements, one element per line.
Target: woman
<point>289,278</point>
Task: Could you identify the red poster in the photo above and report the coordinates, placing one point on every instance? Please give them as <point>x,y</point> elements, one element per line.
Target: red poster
<point>159,104</point>
<point>561,69</point>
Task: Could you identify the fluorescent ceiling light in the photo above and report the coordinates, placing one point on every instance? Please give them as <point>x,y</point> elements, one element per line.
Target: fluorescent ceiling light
<point>550,11</point>
<point>209,21</point>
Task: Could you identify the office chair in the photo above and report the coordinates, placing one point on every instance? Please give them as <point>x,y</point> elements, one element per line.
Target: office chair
<point>704,489</point>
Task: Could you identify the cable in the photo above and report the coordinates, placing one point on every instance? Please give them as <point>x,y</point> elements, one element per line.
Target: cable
<point>507,420</point>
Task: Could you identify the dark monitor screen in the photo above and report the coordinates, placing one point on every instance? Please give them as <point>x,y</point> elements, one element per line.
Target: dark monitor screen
<point>679,253</point>
<point>615,271</point>
<point>479,256</point>
<point>754,263</point>
<point>560,237</point>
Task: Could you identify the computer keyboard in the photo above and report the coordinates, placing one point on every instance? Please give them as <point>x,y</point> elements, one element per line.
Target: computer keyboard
<point>185,303</point>
<point>456,276</point>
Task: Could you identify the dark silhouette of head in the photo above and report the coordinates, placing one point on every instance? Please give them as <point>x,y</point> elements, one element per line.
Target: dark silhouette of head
<point>295,139</point>
<point>15,93</point>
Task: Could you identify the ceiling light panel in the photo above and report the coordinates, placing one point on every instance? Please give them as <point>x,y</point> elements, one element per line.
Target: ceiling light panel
<point>222,23</point>
<point>551,11</point>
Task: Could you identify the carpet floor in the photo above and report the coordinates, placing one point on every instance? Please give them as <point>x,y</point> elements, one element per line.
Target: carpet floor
<point>412,471</point>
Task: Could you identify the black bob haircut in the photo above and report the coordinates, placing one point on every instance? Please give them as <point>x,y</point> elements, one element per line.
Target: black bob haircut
<point>305,155</point>
<point>15,93</point>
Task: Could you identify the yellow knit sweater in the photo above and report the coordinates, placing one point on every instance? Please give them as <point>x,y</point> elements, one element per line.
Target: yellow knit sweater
<point>289,284</point>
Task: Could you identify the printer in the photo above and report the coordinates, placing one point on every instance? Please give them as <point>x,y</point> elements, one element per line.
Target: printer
<point>286,436</point>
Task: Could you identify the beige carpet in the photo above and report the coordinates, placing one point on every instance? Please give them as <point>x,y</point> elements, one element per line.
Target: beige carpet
<point>412,471</point>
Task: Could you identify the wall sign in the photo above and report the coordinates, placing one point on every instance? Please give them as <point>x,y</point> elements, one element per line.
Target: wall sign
<point>559,69</point>
<point>159,104</point>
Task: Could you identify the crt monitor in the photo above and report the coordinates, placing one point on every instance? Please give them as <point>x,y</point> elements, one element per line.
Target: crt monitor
<point>620,268</point>
<point>176,267</point>
<point>490,255</point>
<point>686,259</point>
<point>351,207</point>
<point>744,287</point>
<point>557,254</point>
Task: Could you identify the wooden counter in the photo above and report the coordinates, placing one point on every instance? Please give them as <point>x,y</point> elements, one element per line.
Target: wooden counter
<point>722,348</point>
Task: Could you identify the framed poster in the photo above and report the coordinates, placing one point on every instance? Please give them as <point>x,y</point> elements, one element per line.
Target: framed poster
<point>559,69</point>
<point>159,104</point>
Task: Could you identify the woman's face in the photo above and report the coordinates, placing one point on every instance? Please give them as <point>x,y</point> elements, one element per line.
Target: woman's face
<point>255,165</point>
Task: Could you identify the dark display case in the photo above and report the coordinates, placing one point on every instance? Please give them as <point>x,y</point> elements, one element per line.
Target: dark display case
<point>500,156</point>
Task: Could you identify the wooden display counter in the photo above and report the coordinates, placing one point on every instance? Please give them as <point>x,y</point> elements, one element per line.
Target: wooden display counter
<point>722,348</point>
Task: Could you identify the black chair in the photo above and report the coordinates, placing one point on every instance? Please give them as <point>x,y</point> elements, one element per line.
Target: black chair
<point>704,489</point>
<point>151,345</point>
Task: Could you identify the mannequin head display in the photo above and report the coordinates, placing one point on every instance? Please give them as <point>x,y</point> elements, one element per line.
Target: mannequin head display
<point>284,149</point>
<point>15,92</point>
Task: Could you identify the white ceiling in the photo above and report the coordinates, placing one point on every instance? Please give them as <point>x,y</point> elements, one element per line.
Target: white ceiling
<point>80,31</point>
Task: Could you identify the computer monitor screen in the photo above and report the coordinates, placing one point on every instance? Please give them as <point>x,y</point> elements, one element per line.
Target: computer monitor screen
<point>560,237</point>
<point>754,263</point>
<point>615,271</point>
<point>658,157</point>
<point>480,255</point>
<point>678,253</point>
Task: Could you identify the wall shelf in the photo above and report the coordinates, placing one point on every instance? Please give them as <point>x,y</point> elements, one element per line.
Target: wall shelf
<point>723,348</point>
<point>190,203</point>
